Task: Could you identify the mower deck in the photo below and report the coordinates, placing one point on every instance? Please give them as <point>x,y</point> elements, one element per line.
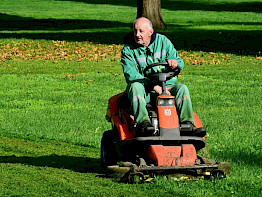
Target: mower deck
<point>132,173</point>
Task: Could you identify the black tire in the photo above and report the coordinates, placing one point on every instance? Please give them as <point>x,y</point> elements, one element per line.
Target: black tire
<point>107,149</point>
<point>218,174</point>
<point>136,178</point>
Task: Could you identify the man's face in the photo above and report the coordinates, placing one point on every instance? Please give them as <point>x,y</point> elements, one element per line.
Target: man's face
<point>142,33</point>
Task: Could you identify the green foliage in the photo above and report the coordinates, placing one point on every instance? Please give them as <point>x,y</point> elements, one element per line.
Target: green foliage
<point>58,68</point>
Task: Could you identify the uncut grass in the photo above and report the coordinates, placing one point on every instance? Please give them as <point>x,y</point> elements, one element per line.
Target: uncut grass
<point>67,106</point>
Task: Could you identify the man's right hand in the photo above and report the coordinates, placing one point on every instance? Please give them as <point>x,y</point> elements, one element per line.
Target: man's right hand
<point>158,90</point>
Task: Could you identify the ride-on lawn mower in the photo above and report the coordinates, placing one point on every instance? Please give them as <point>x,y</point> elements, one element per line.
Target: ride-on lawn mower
<point>170,150</point>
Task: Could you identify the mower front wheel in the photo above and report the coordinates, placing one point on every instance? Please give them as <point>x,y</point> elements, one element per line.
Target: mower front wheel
<point>218,174</point>
<point>108,154</point>
<point>136,178</point>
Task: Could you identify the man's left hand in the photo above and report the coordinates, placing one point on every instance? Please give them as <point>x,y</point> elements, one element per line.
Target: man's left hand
<point>172,63</point>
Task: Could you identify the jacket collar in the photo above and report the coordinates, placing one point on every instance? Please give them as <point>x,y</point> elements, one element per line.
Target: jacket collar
<point>153,37</point>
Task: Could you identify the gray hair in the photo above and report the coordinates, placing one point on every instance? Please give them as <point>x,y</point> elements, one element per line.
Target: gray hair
<point>149,23</point>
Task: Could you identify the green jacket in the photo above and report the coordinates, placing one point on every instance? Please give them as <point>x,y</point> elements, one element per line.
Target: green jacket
<point>135,58</point>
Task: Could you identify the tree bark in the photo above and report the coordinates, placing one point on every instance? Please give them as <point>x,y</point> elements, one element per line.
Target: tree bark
<point>151,9</point>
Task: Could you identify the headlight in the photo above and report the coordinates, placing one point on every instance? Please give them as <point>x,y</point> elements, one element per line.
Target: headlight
<point>170,101</point>
<point>166,102</point>
<point>161,101</point>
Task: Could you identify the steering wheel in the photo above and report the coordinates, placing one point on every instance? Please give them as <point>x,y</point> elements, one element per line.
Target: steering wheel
<point>163,76</point>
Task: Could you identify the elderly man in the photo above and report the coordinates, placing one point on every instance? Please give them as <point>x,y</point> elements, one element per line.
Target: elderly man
<point>142,48</point>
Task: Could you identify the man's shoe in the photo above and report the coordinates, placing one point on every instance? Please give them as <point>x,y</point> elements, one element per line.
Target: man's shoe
<point>200,132</point>
<point>190,129</point>
<point>144,129</point>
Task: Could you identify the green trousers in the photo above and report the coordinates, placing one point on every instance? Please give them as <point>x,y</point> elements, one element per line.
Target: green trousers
<point>138,98</point>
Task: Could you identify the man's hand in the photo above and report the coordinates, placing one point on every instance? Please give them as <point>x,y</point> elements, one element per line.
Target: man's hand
<point>158,90</point>
<point>172,63</point>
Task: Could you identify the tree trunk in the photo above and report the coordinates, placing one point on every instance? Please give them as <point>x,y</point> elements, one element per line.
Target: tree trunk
<point>151,9</point>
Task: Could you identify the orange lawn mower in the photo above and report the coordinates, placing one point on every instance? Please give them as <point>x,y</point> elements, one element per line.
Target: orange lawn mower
<point>171,151</point>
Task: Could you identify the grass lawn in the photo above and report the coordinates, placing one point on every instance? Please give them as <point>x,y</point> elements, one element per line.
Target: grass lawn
<point>60,62</point>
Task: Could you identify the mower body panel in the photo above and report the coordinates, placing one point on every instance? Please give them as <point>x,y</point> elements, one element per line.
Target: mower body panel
<point>167,114</point>
<point>118,113</point>
<point>184,155</point>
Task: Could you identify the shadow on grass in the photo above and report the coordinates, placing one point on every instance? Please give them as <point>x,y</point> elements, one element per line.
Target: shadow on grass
<point>15,23</point>
<point>240,43</point>
<point>77,164</point>
<point>251,159</point>
<point>252,6</point>
<point>228,41</point>
<point>91,165</point>
<point>52,28</point>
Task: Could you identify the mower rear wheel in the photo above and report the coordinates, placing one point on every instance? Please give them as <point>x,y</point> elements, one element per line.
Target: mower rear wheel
<point>108,154</point>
